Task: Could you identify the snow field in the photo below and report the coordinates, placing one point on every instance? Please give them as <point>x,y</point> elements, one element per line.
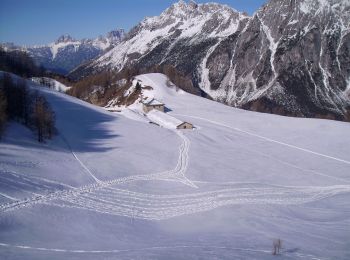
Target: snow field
<point>237,182</point>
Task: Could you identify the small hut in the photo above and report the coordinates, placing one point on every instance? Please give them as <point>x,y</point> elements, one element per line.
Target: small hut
<point>167,121</point>
<point>185,125</point>
<point>151,104</point>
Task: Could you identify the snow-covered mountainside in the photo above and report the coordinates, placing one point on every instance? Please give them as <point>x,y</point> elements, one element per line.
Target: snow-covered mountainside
<point>66,53</point>
<point>292,57</point>
<point>111,185</point>
<point>180,30</point>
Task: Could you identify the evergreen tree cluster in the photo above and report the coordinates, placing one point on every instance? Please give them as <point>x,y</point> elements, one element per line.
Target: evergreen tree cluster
<point>18,103</point>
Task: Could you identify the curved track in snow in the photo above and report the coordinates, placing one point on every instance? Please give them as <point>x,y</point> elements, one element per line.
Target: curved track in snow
<point>131,204</point>
<point>104,197</point>
<point>176,174</point>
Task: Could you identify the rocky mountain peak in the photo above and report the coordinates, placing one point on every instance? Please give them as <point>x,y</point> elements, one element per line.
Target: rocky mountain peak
<point>185,10</point>
<point>65,38</point>
<point>180,9</point>
<point>115,35</point>
<point>192,4</point>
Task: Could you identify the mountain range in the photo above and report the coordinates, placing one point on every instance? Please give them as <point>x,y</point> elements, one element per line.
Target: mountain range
<point>291,57</point>
<point>66,53</point>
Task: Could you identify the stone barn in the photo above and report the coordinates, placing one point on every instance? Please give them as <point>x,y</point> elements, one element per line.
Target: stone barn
<point>185,125</point>
<point>149,105</point>
<point>168,121</point>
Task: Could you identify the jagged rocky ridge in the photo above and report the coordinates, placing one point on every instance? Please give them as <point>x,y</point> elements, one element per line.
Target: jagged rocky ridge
<point>66,53</point>
<point>292,57</point>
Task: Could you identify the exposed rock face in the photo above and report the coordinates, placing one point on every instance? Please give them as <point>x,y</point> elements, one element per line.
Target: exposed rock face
<point>292,57</point>
<point>180,36</point>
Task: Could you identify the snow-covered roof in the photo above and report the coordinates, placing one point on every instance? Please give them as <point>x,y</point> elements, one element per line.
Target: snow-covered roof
<point>164,119</point>
<point>152,102</point>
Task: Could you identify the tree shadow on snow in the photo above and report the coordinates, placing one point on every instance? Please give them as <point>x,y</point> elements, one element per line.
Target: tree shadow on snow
<point>80,128</point>
<point>292,250</point>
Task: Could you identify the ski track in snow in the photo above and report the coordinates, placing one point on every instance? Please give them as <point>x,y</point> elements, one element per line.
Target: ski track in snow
<point>176,174</point>
<point>159,207</point>
<point>7,196</point>
<point>268,139</point>
<point>102,197</point>
<point>280,143</point>
<point>80,162</point>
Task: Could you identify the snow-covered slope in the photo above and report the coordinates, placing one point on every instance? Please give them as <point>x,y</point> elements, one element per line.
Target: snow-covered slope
<point>110,187</point>
<point>152,87</point>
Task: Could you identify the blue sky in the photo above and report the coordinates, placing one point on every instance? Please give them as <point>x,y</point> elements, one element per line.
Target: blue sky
<point>29,22</point>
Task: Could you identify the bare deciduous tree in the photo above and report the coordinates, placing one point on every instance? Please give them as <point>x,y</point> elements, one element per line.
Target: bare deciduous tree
<point>3,114</point>
<point>277,246</point>
<point>24,101</point>
<point>44,118</point>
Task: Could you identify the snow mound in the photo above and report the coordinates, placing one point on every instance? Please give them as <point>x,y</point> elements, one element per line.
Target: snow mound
<point>154,86</point>
<point>161,87</point>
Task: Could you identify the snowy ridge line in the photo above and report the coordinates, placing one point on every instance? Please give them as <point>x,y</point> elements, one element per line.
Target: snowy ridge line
<point>177,174</point>
<point>267,139</point>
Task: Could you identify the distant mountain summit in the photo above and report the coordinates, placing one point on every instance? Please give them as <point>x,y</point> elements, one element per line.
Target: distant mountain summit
<point>66,53</point>
<point>180,36</point>
<point>116,35</point>
<point>292,57</point>
<point>64,38</point>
